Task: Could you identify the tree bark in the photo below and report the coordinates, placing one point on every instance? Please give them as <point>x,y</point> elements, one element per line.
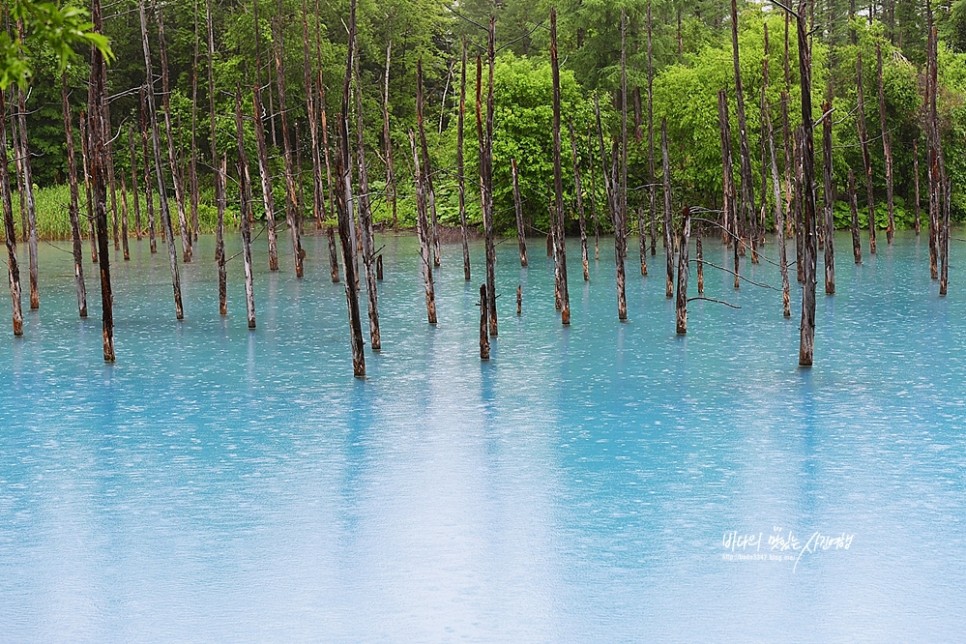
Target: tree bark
<point>135,188</point>
<point>651,176</point>
<point>265,174</point>
<point>854,207</point>
<point>10,234</point>
<point>220,166</point>
<point>427,169</point>
<point>27,191</point>
<point>85,147</point>
<point>329,232</point>
<point>148,197</point>
<point>486,171</point>
<point>916,222</point>
<point>779,214</point>
<point>460,178</point>
<point>484,335</point>
<point>866,157</point>
<point>806,348</point>
<point>729,213</point>
<point>829,199</point>
<point>561,254</point>
<point>159,167</point>
<point>124,227</point>
<point>747,206</point>
<point>422,230</point>
<point>886,147</point>
<point>318,194</point>
<point>365,218</point>
<point>73,208</point>
<point>518,210</point>
<point>581,219</point>
<point>681,308</point>
<point>245,209</point>
<point>387,134</point>
<point>669,244</point>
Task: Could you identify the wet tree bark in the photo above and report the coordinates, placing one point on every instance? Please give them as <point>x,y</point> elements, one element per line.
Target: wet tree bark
<point>148,197</point>
<point>729,213</point>
<point>854,208</point>
<point>135,188</point>
<point>427,168</point>
<point>916,222</point>
<point>747,206</point>
<point>829,199</point>
<point>265,174</point>
<point>112,185</point>
<point>651,176</point>
<point>484,335</point>
<point>100,133</point>
<point>159,167</point>
<point>318,194</point>
<point>124,227</point>
<point>169,130</point>
<point>73,208</point>
<point>85,165</point>
<point>581,219</point>
<point>681,307</point>
<point>422,230</point>
<point>699,252</point>
<point>886,147</point>
<point>518,210</point>
<point>519,299</point>
<point>593,197</point>
<point>779,215</point>
<point>866,157</point>
<point>193,144</point>
<point>329,232</point>
<point>220,166</point>
<point>10,233</point>
<point>668,243</point>
<point>365,218</point>
<point>292,216</point>
<point>486,174</point>
<point>27,193</point>
<point>460,177</point>
<point>245,209</point>
<point>618,195</point>
<point>561,254</point>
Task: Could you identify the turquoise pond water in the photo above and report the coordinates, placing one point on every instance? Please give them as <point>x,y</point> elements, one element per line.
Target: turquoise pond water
<point>585,485</point>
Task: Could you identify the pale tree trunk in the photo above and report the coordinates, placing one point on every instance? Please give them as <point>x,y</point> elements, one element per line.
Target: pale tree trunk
<point>74,205</point>
<point>245,210</point>
<point>561,253</point>
<point>460,178</point>
<point>10,234</point>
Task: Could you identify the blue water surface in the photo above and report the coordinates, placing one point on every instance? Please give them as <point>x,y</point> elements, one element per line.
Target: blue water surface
<point>604,482</point>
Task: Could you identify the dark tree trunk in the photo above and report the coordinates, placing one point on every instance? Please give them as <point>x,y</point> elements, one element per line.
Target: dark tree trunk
<point>427,168</point>
<point>365,218</point>
<point>651,176</point>
<point>681,307</point>
<point>916,222</point>
<point>124,235</point>
<point>27,194</point>
<point>518,210</point>
<point>422,230</point>
<point>747,206</point>
<point>866,157</point>
<point>74,205</point>
<point>581,219</point>
<point>159,167</point>
<point>100,133</point>
<point>729,213</point>
<point>10,234</point>
<point>148,197</point>
<point>135,188</point>
<point>593,198</point>
<point>484,335</point>
<point>699,252</point>
<point>311,110</point>
<point>460,178</point>
<point>854,207</point>
<point>193,144</point>
<point>220,166</point>
<point>485,137</point>
<point>265,174</point>
<point>806,348</point>
<point>561,254</point>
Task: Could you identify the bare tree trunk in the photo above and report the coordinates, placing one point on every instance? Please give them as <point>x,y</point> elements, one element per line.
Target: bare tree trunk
<point>365,218</point>
<point>245,209</point>
<point>265,174</point>
<point>619,186</point>
<point>581,220</point>
<point>561,254</point>
<point>329,232</point>
<point>917,223</point>
<point>292,216</point>
<point>886,147</point>
<point>854,206</point>
<point>485,138</point>
<point>220,166</point>
<point>829,199</point>
<point>866,157</point>
<point>135,189</point>
<point>669,244</point>
<point>100,133</point>
<point>729,206</point>
<point>159,167</point>
<point>681,308</point>
<point>193,154</point>
<point>518,209</point>
<point>124,244</point>
<point>112,183</point>
<point>593,199</point>
<point>806,348</point>
<point>651,176</point>
<point>387,134</point>
<point>460,178</point>
<point>74,205</point>
<point>85,146</point>
<point>699,252</point>
<point>186,246</point>
<point>427,169</point>
<point>484,336</point>
<point>10,234</point>
<point>148,197</point>
<point>27,192</point>
<point>318,195</point>
<point>747,187</point>
<point>779,214</point>
<point>422,230</point>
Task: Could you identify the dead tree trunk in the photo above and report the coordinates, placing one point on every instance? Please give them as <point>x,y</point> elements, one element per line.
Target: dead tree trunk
<point>85,147</point>
<point>747,188</point>
<point>651,176</point>
<point>74,205</point>
<point>593,198</point>
<point>311,110</point>
<point>460,178</point>
<point>779,214</point>
<point>124,244</point>
<point>148,197</point>
<point>854,207</point>
<point>10,234</point>
<point>886,147</point>
<point>518,209</point>
<point>176,182</point>
<point>486,171</point>
<point>422,230</point>
<point>245,209</point>
<point>681,307</point>
<point>699,252</point>
<point>484,335</point>
<point>729,212</point>
<point>561,254</point>
<point>829,199</point>
<point>292,216</point>
<point>387,136</point>
<point>619,187</point>
<point>427,169</point>
<point>668,242</point>
<point>135,188</point>
<point>220,166</point>
<point>27,192</point>
<point>581,220</point>
<point>265,174</point>
<point>866,157</point>
<point>193,143</point>
<point>365,218</point>
<point>100,133</point>
<point>159,167</point>
<point>916,222</point>
<point>112,185</point>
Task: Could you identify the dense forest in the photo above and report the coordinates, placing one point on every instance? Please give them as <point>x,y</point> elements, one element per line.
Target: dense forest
<point>691,62</point>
